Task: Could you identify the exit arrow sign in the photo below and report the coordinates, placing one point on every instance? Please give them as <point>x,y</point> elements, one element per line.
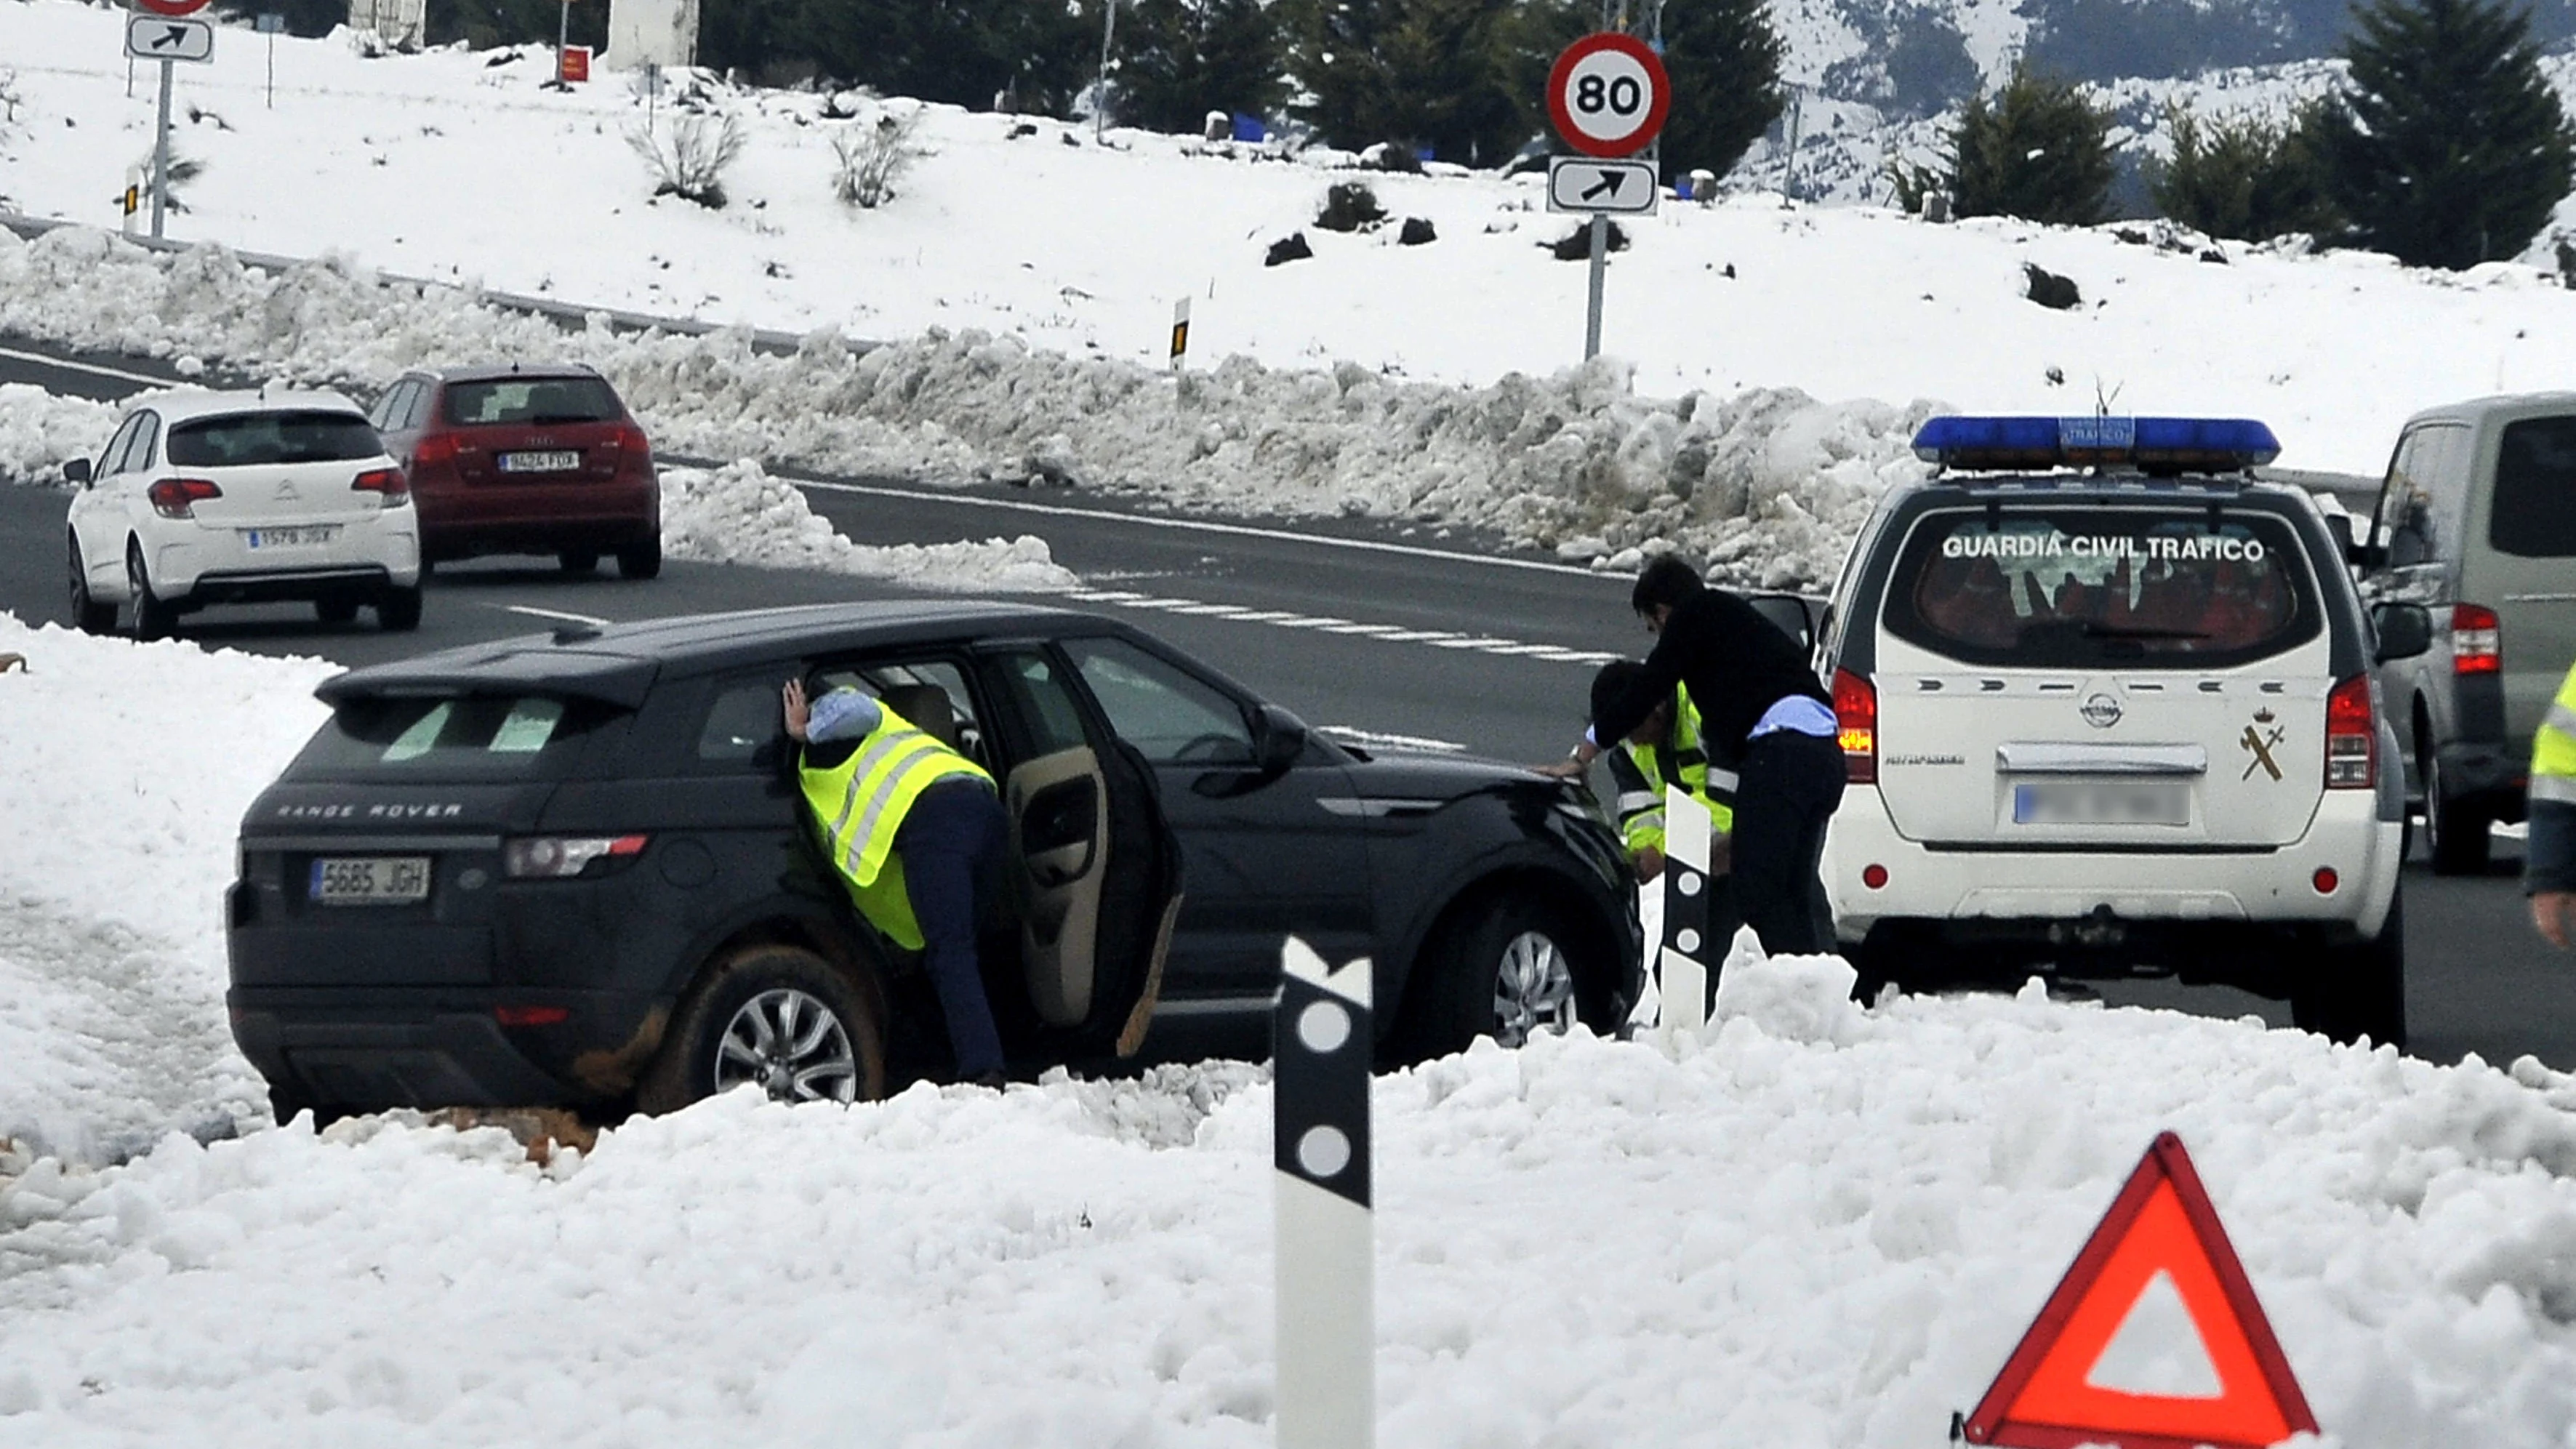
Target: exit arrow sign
<point>1585,186</point>
<point>157,37</point>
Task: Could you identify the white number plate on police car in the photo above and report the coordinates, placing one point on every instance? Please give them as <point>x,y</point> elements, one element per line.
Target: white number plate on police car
<point>302,536</point>
<point>2102,802</point>
<point>370,880</point>
<point>539,462</point>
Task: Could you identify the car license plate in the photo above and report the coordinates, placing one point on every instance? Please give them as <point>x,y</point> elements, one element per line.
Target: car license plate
<point>370,880</point>
<point>2102,802</point>
<point>540,462</point>
<point>300,536</point>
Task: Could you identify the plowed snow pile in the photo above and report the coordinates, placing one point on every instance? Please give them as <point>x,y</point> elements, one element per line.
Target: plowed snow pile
<point>1814,1226</point>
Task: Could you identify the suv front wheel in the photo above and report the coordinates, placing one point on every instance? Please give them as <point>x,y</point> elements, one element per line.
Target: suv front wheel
<point>1504,967</point>
<point>779,1017</point>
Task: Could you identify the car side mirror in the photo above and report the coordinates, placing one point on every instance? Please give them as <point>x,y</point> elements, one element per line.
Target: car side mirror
<point>2405,630</point>
<point>77,471</point>
<point>1278,738</point>
<point>2356,554</point>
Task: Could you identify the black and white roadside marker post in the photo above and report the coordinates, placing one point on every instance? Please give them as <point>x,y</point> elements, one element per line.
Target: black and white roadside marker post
<point>1682,972</point>
<point>1321,1046</point>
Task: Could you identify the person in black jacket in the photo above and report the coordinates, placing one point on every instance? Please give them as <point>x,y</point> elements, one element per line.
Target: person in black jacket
<point>1760,704</point>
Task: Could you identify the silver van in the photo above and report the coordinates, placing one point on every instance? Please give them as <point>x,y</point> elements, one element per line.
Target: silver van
<point>2477,521</point>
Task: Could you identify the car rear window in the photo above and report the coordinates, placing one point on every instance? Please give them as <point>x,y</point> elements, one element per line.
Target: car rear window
<point>2073,588</point>
<point>535,401</point>
<point>2535,490</point>
<point>260,439</point>
<point>454,737</point>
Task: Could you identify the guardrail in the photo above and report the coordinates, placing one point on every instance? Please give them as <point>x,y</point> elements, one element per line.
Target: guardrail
<point>567,315</point>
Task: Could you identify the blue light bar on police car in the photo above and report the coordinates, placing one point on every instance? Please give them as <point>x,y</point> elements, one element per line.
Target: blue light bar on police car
<point>2153,445</point>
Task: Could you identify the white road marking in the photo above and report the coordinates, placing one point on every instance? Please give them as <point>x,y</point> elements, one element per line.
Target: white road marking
<point>1194,525</point>
<point>1391,633</point>
<point>92,368</point>
<point>559,615</point>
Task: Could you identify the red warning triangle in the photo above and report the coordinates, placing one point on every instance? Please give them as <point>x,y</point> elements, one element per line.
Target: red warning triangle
<point>2161,1223</point>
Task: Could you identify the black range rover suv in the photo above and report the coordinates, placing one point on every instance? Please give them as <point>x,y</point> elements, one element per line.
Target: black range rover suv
<point>571,870</point>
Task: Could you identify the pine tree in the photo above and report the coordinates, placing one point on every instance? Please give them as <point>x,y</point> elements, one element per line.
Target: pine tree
<point>2446,148</point>
<point>2249,179</point>
<point>1180,59</point>
<point>1463,77</point>
<point>2037,150</point>
<point>1724,59</point>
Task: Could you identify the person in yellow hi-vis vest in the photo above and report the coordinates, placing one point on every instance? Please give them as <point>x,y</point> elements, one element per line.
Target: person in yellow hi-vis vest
<point>914,828</point>
<point>1665,750</point>
<point>2549,854</point>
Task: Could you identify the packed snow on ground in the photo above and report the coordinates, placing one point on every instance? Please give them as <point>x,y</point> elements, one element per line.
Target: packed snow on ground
<point>39,430</point>
<point>1811,1225</point>
<point>1774,358</point>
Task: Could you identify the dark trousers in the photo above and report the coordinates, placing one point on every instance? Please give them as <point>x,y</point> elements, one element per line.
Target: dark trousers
<point>950,842</point>
<point>1788,786</point>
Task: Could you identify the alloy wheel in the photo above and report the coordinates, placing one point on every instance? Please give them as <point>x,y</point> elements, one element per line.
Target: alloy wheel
<point>792,1045</point>
<point>1533,989</point>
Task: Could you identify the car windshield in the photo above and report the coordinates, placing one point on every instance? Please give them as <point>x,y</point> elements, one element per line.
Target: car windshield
<point>2535,490</point>
<point>456,737</point>
<point>255,439</point>
<point>2077,587</point>
<point>533,401</point>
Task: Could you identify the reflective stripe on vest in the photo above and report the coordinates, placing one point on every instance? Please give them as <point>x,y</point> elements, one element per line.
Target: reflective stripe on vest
<point>1641,812</point>
<point>874,789</point>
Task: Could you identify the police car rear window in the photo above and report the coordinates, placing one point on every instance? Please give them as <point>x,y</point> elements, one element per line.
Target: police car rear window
<point>455,737</point>
<point>2535,490</point>
<point>2074,588</point>
<point>271,439</point>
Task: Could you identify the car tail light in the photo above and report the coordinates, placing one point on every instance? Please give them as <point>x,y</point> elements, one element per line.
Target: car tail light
<point>2352,737</point>
<point>175,497</point>
<point>434,449</point>
<point>631,440</point>
<point>561,857</point>
<point>387,481</point>
<point>2477,640</point>
<point>532,1015</point>
<point>1856,724</point>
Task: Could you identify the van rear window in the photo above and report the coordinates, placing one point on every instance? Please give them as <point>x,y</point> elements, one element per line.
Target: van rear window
<point>533,401</point>
<point>270,439</point>
<point>457,737</point>
<point>2535,490</point>
<point>2075,588</point>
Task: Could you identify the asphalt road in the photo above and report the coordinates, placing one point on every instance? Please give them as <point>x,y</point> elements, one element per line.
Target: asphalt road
<point>1493,655</point>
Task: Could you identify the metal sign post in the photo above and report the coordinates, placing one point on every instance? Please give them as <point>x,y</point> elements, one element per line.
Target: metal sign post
<point>1321,1045</point>
<point>1608,95</point>
<point>161,156</point>
<point>270,23</point>
<point>160,31</point>
<point>1100,87</point>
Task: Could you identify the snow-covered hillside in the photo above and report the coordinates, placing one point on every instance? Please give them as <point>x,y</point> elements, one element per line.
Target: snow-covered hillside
<point>1815,1225</point>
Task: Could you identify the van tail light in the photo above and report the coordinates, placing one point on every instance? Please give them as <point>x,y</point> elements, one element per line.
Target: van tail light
<point>176,497</point>
<point>561,857</point>
<point>434,449</point>
<point>2352,737</point>
<point>2477,640</point>
<point>387,481</point>
<point>1856,724</point>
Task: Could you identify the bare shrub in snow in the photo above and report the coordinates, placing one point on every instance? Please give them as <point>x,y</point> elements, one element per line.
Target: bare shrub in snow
<point>689,156</point>
<point>872,158</point>
<point>183,169</point>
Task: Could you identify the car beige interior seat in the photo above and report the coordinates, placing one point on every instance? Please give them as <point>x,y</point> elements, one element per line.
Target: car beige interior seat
<point>927,708</point>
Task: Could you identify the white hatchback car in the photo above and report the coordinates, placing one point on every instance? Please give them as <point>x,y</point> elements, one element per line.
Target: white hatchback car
<point>2117,722</point>
<point>206,497</point>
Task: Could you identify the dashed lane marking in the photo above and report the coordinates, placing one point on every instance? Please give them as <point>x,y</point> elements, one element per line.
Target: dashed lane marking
<point>92,368</point>
<point>1352,628</point>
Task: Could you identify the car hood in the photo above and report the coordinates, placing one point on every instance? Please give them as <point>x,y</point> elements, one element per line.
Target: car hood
<point>1406,775</point>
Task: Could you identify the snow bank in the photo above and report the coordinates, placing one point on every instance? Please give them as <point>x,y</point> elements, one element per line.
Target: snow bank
<point>738,514</point>
<point>129,768</point>
<point>38,430</point>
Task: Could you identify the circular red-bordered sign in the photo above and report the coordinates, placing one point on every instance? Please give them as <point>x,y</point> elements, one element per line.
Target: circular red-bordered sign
<point>174,8</point>
<point>1608,94</point>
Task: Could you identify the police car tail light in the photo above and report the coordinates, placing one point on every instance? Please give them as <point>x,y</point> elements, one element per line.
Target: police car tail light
<point>561,857</point>
<point>2477,640</point>
<point>1856,724</point>
<point>2352,737</point>
<point>2153,445</point>
<point>387,481</point>
<point>177,497</point>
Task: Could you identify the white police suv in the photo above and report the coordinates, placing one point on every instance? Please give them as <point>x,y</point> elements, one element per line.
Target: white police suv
<point>2108,710</point>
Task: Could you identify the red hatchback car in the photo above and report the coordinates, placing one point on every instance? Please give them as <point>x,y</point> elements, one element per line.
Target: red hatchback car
<point>524,459</point>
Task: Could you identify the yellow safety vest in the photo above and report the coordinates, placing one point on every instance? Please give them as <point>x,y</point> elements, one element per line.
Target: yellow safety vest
<point>1641,813</point>
<point>860,803</point>
<point>2553,750</point>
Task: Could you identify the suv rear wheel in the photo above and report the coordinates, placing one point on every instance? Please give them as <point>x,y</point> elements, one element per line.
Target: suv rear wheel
<point>2349,992</point>
<point>1503,967</point>
<point>2455,834</point>
<point>780,1017</point>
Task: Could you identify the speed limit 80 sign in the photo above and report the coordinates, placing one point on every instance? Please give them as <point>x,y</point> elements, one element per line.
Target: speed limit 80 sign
<point>1608,95</point>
